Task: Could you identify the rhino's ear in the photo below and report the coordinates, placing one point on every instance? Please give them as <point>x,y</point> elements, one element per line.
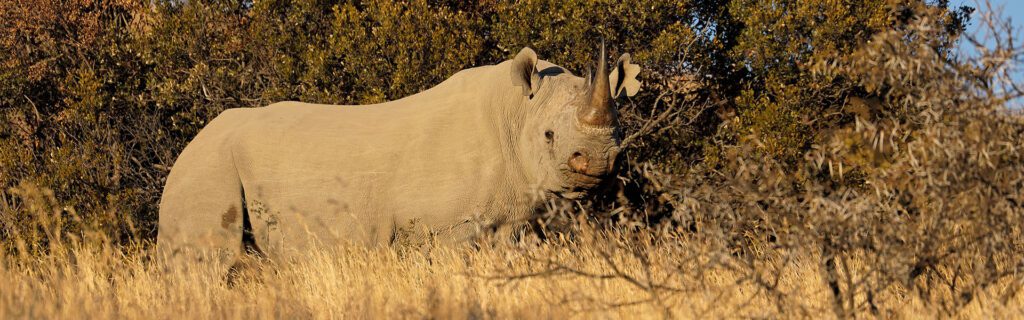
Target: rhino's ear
<point>524,71</point>
<point>623,77</point>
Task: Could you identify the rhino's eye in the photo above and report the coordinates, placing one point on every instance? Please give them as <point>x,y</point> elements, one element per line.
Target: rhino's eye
<point>550,135</point>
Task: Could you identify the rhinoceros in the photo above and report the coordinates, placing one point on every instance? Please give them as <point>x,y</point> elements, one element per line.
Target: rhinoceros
<point>482,148</point>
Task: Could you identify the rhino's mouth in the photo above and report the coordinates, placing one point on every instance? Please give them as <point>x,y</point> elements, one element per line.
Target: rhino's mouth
<point>577,185</point>
<point>572,195</point>
<point>576,179</point>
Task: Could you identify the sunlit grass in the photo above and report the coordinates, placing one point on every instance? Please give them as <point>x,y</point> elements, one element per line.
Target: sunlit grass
<point>605,275</point>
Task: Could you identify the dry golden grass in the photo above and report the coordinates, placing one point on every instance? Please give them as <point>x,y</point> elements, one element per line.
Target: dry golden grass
<point>501,281</point>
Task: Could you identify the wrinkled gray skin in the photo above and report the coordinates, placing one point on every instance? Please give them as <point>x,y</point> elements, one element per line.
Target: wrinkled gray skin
<point>480,149</point>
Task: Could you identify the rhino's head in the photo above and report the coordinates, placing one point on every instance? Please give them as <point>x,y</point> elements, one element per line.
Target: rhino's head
<point>571,134</point>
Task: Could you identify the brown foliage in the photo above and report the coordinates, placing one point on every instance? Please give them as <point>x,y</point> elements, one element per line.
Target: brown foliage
<point>920,194</point>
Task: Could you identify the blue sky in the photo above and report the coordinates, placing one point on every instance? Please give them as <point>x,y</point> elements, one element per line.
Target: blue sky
<point>1012,9</point>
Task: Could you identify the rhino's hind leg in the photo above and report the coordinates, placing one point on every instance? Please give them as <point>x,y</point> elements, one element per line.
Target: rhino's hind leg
<point>202,209</point>
<point>251,261</point>
<point>201,231</point>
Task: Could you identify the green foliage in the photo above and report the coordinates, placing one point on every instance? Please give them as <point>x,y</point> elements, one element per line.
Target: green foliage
<point>779,43</point>
<point>389,50</point>
<point>70,74</point>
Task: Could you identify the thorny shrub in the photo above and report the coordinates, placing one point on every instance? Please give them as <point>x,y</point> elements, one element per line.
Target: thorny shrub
<point>920,194</point>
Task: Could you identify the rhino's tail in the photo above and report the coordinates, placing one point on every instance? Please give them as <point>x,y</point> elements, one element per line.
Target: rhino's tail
<point>202,206</point>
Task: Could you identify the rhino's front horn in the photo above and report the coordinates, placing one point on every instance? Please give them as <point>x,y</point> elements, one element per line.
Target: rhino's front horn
<point>597,111</point>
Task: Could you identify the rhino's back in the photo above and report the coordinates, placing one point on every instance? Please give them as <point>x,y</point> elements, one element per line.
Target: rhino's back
<point>358,172</point>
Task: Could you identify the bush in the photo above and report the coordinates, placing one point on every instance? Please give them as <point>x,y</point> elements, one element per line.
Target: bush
<point>919,194</point>
<point>75,119</point>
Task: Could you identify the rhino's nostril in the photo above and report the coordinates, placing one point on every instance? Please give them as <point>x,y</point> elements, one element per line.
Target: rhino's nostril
<point>579,162</point>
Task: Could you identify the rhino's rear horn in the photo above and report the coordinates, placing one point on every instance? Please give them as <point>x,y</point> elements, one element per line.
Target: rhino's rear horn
<point>597,109</point>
